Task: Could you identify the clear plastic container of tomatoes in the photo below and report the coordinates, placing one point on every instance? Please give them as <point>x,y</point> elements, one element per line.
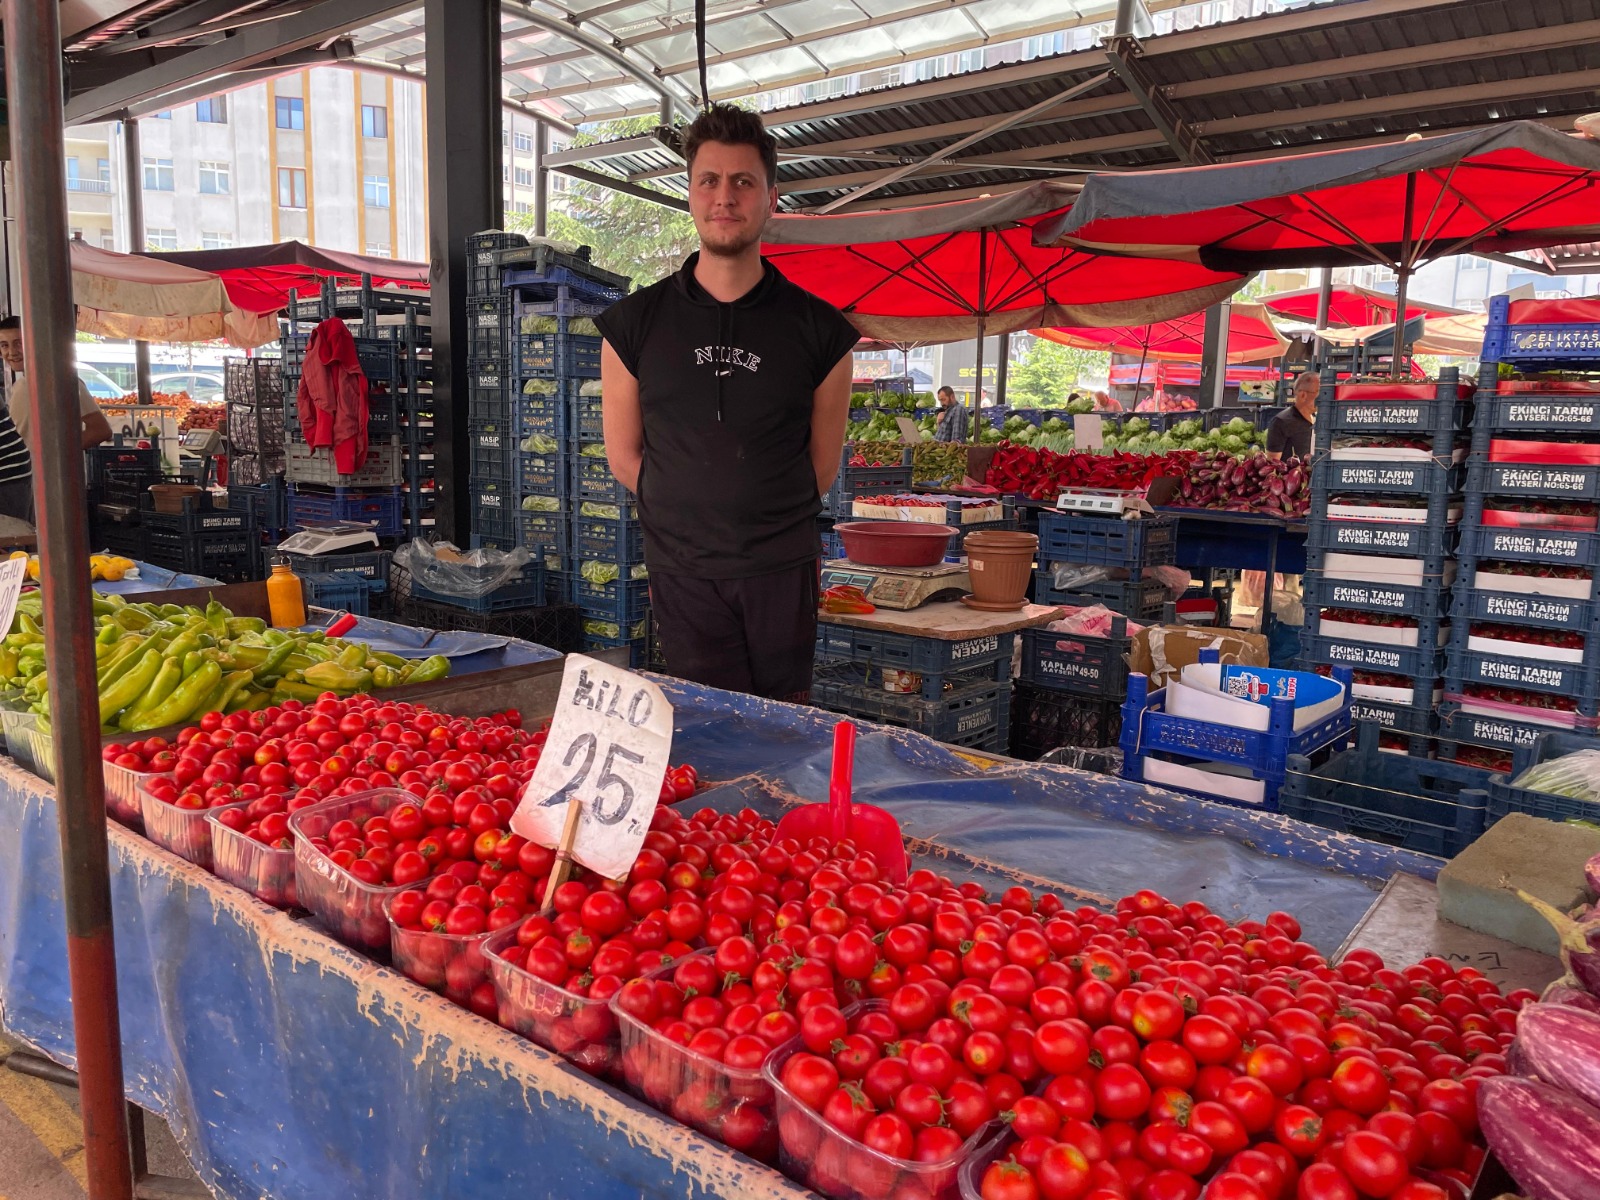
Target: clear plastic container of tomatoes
<point>580,1030</point>
<point>264,871</point>
<point>450,963</point>
<point>184,831</point>
<point>732,1105</point>
<point>829,1161</point>
<point>346,907</point>
<point>124,802</point>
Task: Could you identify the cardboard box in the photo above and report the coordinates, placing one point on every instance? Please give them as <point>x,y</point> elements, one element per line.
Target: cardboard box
<point>1162,651</point>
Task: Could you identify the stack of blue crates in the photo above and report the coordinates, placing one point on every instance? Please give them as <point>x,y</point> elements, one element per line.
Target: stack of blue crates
<point>1380,545</point>
<point>1524,657</point>
<point>533,408</point>
<point>1125,549</point>
<point>1069,690</point>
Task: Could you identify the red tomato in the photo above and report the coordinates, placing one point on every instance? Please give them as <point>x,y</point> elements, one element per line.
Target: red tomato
<point>1121,1093</point>
<point>1373,1163</point>
<point>1359,1084</point>
<point>1008,1181</point>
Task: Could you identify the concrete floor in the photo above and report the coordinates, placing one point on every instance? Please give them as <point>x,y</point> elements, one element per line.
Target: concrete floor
<point>41,1146</point>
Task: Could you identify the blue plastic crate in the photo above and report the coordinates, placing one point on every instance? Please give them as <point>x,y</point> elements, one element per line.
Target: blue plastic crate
<point>1108,541</point>
<point>1554,547</point>
<point>491,393</point>
<point>1425,599</point>
<point>1534,416</point>
<point>622,600</point>
<point>1394,478</point>
<point>1147,729</point>
<point>852,482</point>
<point>1414,716</point>
<point>1543,345</point>
<point>1491,731</point>
<point>1549,481</point>
<point>1074,662</point>
<point>200,515</point>
<point>342,591</point>
<point>542,474</point>
<point>587,421</point>
<point>269,501</point>
<point>935,659</point>
<point>548,415</point>
<point>383,510</point>
<point>1433,537</point>
<point>543,529</point>
<point>638,649</point>
<point>619,541</point>
<point>1534,672</point>
<point>1481,603</point>
<point>371,565</point>
<point>527,591</point>
<point>973,712</point>
<point>493,459</point>
<point>1504,798</point>
<point>1414,409</point>
<point>489,325</point>
<point>1141,599</point>
<point>592,480</point>
<point>559,355</point>
<point>1431,807</point>
<point>1424,660</point>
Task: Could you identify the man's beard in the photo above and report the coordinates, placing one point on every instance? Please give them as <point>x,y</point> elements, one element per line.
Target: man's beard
<point>732,246</point>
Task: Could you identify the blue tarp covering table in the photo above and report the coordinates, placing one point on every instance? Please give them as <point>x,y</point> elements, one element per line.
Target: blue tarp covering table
<point>291,1067</point>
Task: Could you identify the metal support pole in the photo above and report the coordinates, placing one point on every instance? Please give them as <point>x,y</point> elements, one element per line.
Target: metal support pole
<point>1402,272</point>
<point>977,371</point>
<point>1001,370</point>
<point>33,71</point>
<point>541,177</point>
<point>1324,303</point>
<point>1219,380</point>
<point>666,112</point>
<point>464,197</point>
<point>1214,355</point>
<point>133,163</point>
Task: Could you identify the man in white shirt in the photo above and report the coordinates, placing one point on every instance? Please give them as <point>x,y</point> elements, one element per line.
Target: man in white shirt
<point>94,427</point>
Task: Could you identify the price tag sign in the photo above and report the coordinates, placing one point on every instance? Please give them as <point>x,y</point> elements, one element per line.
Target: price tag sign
<point>13,571</point>
<point>1088,432</point>
<point>608,748</point>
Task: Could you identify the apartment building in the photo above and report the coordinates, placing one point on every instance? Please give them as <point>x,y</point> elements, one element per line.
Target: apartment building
<point>329,156</point>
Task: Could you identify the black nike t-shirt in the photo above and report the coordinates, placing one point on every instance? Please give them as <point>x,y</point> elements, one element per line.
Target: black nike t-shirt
<point>727,489</point>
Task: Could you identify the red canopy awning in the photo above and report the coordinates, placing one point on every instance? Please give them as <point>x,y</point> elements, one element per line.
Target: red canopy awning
<point>1351,305</point>
<point>259,278</point>
<point>1252,337</point>
<point>947,272</point>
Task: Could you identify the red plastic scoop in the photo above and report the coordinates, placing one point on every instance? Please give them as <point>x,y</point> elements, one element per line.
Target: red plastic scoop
<point>870,827</point>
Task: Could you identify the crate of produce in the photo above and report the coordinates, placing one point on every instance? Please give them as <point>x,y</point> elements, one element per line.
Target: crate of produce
<point>543,528</point>
<point>346,907</point>
<point>901,651</point>
<point>1476,599</point>
<point>1543,481</point>
<point>489,326</point>
<point>1431,807</point>
<point>526,591</point>
<point>384,466</point>
<point>1258,415</point>
<point>232,557</point>
<point>381,509</point>
<point>898,680</point>
<point>559,355</point>
<point>1357,646</point>
<point>1539,428</point>
<point>634,651</point>
<point>269,501</point>
<point>1107,541</point>
<point>1554,792</point>
<point>265,870</point>
<point>1410,479</point>
<point>252,381</point>
<point>1045,719</point>
<point>1526,658</point>
<point>619,541</point>
<point>1495,721</point>
<point>973,711</point>
<point>371,565</point>
<point>491,392</point>
<point>541,262</point>
<point>1545,545</point>
<point>623,601</point>
<point>580,1029</point>
<point>1078,663</point>
<point>197,515</point>
<point>552,625</point>
<point>1542,333</point>
<point>587,420</point>
<point>1384,406</point>
<point>1356,524</point>
<point>542,474</point>
<point>544,411</point>
<point>592,480</point>
<point>854,482</point>
<point>1141,599</point>
<point>1397,704</point>
<point>256,429</point>
<point>1429,598</point>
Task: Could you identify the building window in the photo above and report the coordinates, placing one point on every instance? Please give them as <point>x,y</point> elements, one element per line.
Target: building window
<point>378,249</point>
<point>521,206</point>
<point>291,112</point>
<point>524,176</point>
<point>524,143</point>
<point>291,187</point>
<point>374,121</point>
<point>375,189</point>
<point>102,170</point>
<point>163,116</point>
<point>160,239</point>
<point>212,111</point>
<point>158,175</point>
<point>108,240</point>
<point>77,182</point>
<point>505,173</point>
<point>505,137</point>
<point>213,178</point>
<point>215,241</point>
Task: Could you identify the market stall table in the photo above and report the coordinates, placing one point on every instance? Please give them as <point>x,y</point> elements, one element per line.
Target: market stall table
<point>290,1066</point>
<point>947,620</point>
<point>1237,541</point>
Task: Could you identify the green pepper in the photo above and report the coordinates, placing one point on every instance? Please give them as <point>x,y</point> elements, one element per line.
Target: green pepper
<point>190,663</point>
<point>383,676</point>
<point>434,667</point>
<point>122,658</point>
<point>287,689</point>
<point>298,662</point>
<point>275,637</point>
<point>239,626</point>
<point>217,618</point>
<point>249,656</point>
<point>232,684</point>
<point>331,676</point>
<point>353,657</point>
<point>391,660</point>
<point>131,686</point>
<point>25,623</point>
<point>184,702</point>
<point>165,683</point>
<point>133,619</point>
<point>8,664</point>
<point>318,651</point>
<point>248,699</point>
<point>272,664</point>
<point>108,634</point>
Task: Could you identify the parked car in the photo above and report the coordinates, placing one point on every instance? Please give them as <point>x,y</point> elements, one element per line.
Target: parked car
<point>197,385</point>
<point>100,385</point>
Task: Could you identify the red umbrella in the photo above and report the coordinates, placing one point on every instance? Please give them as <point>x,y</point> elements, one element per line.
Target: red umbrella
<point>1350,305</point>
<point>259,278</point>
<point>948,272</point>
<point>1506,187</point>
<point>1252,337</point>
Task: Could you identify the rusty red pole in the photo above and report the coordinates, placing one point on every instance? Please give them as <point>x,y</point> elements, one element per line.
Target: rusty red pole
<point>34,99</point>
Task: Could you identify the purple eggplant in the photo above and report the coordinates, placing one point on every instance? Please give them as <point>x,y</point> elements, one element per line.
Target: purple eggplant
<point>1561,1045</point>
<point>1548,1140</point>
<point>1580,943</point>
<point>1566,991</point>
<point>1591,874</point>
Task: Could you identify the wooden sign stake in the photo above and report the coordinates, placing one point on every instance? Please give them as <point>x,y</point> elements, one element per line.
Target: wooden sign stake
<point>563,864</point>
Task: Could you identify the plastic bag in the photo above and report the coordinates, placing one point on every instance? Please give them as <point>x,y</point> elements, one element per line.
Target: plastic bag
<point>442,568</point>
<point>1093,621</point>
<point>1106,760</point>
<point>541,504</point>
<point>1575,775</point>
<point>1066,577</point>
<point>539,387</point>
<point>590,388</point>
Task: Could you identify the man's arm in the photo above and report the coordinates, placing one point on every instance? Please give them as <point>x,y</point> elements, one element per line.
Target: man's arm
<point>830,411</point>
<point>621,419</point>
<point>96,429</point>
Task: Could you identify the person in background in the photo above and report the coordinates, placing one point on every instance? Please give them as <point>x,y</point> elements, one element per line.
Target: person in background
<point>726,394</point>
<point>1294,429</point>
<point>954,420</point>
<point>16,434</point>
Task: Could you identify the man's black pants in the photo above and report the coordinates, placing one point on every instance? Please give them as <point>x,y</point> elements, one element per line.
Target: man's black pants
<point>755,635</point>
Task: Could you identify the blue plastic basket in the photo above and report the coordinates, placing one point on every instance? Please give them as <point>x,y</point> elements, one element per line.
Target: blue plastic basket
<point>542,474</point>
<point>1423,660</point>
<point>543,529</point>
<point>1543,345</point>
<point>622,600</point>
<point>587,419</point>
<point>1072,662</point>
<point>1530,673</point>
<point>1435,536</point>
<point>1491,731</point>
<point>383,510</point>
<point>1107,541</point>
<point>1536,480</point>
<point>547,415</point>
<point>618,541</point>
<point>525,592</point>
<point>1444,407</point>
<point>489,324</point>
<point>974,712</point>
<point>1397,478</point>
<point>558,355</point>
<point>1474,603</point>
<point>638,649</point>
<point>592,480</point>
<point>1141,599</point>
<point>339,590</point>
<point>1504,798</point>
<point>852,482</point>
<point>1430,599</point>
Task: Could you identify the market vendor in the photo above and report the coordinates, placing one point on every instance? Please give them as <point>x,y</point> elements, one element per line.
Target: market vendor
<point>953,418</point>
<point>726,393</point>
<point>1293,430</point>
<point>16,434</point>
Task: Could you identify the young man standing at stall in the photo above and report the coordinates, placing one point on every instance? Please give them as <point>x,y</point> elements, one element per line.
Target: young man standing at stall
<point>16,433</point>
<point>1293,431</point>
<point>726,393</point>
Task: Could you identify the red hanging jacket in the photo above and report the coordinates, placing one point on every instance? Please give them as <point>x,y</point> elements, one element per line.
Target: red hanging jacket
<point>332,400</point>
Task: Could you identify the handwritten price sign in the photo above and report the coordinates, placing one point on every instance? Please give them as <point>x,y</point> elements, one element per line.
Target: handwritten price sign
<point>609,744</point>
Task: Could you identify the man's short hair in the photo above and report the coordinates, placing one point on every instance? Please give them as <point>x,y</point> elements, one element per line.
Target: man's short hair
<point>732,126</point>
<point>11,322</point>
<point>1307,382</point>
<point>947,390</point>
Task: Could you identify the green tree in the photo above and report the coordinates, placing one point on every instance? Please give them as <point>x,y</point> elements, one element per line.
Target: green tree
<point>1048,372</point>
<point>630,236</point>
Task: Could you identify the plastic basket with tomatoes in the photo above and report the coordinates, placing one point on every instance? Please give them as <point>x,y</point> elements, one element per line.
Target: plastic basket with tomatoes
<point>441,950</point>
<point>264,868</point>
<point>350,909</point>
<point>124,765</point>
<point>174,819</point>
<point>731,1102</point>
<point>581,1029</point>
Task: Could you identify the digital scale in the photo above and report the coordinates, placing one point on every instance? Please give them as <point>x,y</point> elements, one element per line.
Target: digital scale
<point>1103,502</point>
<point>206,445</point>
<point>900,587</point>
<point>331,539</point>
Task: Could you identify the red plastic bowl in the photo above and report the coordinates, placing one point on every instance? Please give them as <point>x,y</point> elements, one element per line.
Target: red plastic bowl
<point>894,543</point>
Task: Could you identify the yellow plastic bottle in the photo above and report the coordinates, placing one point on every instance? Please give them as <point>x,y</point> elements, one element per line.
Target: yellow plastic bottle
<point>285,598</point>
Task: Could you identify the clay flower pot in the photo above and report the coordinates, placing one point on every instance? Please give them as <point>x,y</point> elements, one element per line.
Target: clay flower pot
<point>1000,564</point>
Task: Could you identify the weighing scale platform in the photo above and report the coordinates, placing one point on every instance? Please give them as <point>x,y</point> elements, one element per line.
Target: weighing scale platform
<point>899,587</point>
<point>946,620</point>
